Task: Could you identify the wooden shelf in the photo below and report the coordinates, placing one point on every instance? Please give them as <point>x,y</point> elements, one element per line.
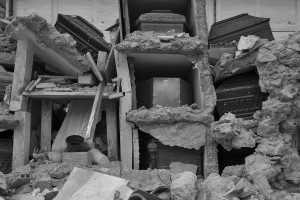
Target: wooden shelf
<point>61,95</point>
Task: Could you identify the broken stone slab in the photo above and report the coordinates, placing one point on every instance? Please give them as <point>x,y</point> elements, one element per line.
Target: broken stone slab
<point>183,186</point>
<point>179,167</point>
<point>231,133</point>
<point>55,49</point>
<point>187,135</point>
<point>216,187</point>
<point>85,184</point>
<point>150,42</point>
<point>169,115</point>
<point>257,164</point>
<point>275,146</point>
<point>236,170</point>
<point>291,170</point>
<point>147,180</point>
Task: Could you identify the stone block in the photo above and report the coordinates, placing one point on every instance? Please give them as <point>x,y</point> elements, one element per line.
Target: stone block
<point>179,167</point>
<point>80,158</point>
<point>184,186</point>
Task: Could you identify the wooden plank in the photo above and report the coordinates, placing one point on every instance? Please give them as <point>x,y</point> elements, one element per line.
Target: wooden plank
<point>34,84</point>
<point>112,131</point>
<point>29,85</point>
<point>126,17</point>
<point>125,105</point>
<point>136,149</point>
<point>54,11</point>
<point>87,80</point>
<point>21,139</point>
<point>90,130</point>
<point>122,27</point>
<point>46,125</point>
<point>22,75</point>
<point>101,63</point>
<point>56,77</point>
<point>297,6</point>
<point>61,95</point>
<point>94,66</point>
<point>126,147</point>
<point>123,71</point>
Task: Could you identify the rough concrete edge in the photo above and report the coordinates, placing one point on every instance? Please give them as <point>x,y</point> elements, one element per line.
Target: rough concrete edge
<point>210,158</point>
<point>47,36</point>
<point>131,46</point>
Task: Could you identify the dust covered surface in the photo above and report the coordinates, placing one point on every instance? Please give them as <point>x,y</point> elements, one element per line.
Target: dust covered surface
<point>151,42</point>
<point>47,36</point>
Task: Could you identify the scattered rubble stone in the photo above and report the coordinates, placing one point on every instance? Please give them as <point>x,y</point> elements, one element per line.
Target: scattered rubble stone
<point>237,170</point>
<point>183,187</point>
<point>230,132</point>
<point>147,180</point>
<point>178,167</point>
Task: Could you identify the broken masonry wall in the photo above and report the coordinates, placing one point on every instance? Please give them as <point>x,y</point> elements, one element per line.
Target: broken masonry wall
<point>274,129</point>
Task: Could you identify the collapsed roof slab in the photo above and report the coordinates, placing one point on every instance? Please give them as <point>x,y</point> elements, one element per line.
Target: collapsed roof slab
<point>55,49</point>
<point>151,42</point>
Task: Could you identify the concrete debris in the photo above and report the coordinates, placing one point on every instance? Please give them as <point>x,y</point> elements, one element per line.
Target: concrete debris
<point>55,49</point>
<point>231,133</point>
<point>184,126</point>
<point>152,42</point>
<point>178,167</point>
<point>237,170</point>
<point>147,180</point>
<point>247,42</point>
<point>183,186</point>
<point>187,135</point>
<point>86,184</point>
<point>169,115</point>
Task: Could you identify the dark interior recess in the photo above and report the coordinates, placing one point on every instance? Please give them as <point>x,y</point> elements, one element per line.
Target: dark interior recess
<point>233,157</point>
<point>182,7</point>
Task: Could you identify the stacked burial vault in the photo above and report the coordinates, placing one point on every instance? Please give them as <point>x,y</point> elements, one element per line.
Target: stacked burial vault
<point>169,98</point>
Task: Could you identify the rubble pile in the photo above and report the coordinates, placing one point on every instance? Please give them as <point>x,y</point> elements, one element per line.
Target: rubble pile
<point>272,172</point>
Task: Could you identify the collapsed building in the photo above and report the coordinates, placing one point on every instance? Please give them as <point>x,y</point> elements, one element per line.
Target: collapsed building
<point>175,105</point>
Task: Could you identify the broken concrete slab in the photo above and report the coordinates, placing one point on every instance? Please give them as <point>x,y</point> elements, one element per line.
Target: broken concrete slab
<point>183,186</point>
<point>178,167</point>
<point>257,164</point>
<point>169,115</point>
<point>55,49</point>
<point>85,184</point>
<point>3,185</point>
<point>275,146</point>
<point>187,135</point>
<point>216,187</point>
<point>231,133</point>
<point>236,170</point>
<point>147,180</point>
<point>150,42</point>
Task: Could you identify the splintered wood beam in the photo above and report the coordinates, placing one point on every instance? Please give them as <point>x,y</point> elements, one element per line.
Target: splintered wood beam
<point>95,113</point>
<point>22,75</point>
<point>21,139</point>
<point>46,125</point>
<point>101,62</point>
<point>125,105</point>
<point>94,66</point>
<point>112,130</point>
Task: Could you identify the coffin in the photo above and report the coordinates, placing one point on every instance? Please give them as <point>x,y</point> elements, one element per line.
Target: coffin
<point>161,156</point>
<point>240,95</point>
<point>241,25</point>
<point>161,21</point>
<point>168,92</point>
<point>87,36</point>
